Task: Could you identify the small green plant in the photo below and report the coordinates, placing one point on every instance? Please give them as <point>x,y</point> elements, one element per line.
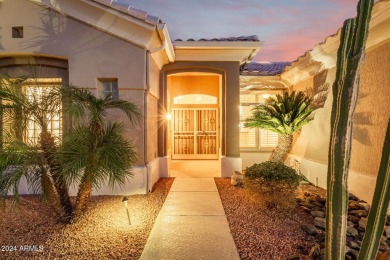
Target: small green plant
<point>273,173</point>
<point>275,183</point>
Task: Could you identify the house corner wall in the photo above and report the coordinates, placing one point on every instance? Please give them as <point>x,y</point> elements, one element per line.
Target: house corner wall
<point>372,111</point>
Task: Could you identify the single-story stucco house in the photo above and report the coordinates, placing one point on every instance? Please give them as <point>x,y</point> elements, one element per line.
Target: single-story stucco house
<point>194,95</point>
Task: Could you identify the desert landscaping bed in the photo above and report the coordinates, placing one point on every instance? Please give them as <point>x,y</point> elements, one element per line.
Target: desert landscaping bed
<point>31,231</point>
<point>263,231</point>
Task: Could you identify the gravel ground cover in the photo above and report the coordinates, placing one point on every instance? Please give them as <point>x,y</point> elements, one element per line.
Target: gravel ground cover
<point>261,231</point>
<point>30,230</point>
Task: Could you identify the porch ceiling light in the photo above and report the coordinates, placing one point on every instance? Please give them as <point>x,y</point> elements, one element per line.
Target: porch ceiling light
<point>265,96</point>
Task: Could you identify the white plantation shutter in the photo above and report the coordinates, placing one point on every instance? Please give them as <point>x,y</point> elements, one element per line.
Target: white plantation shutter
<point>254,138</point>
<point>248,137</point>
<point>268,139</point>
<point>248,98</point>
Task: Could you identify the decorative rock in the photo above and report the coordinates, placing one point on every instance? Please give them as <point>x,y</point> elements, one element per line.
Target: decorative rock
<point>352,232</point>
<point>387,231</point>
<point>310,229</point>
<point>307,205</point>
<point>320,222</point>
<point>353,197</point>
<point>354,253</point>
<point>307,210</point>
<point>350,224</point>
<point>320,237</point>
<point>354,245</point>
<point>348,257</point>
<point>353,219</point>
<point>384,247</point>
<point>315,251</point>
<point>383,239</point>
<point>321,200</point>
<point>365,206</point>
<point>318,214</point>
<point>359,213</point>
<point>317,204</point>
<point>236,178</point>
<point>317,208</point>
<point>354,205</point>
<point>363,223</point>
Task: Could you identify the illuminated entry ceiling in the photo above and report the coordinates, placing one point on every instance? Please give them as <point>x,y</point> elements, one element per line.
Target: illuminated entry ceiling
<point>195,99</point>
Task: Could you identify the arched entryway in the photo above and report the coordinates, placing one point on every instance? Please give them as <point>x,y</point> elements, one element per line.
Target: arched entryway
<point>194,126</point>
<point>197,80</point>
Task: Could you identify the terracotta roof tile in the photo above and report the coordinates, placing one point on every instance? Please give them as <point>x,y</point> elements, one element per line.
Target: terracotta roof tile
<point>134,12</point>
<point>264,69</point>
<point>251,38</point>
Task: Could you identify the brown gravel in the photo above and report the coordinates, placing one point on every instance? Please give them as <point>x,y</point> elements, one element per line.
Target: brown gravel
<point>261,231</point>
<point>103,233</point>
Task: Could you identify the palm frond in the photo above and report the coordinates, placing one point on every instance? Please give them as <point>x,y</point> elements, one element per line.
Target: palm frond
<point>283,114</point>
<point>18,160</point>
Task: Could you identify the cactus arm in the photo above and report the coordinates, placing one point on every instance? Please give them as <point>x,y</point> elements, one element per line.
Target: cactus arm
<point>380,202</point>
<point>345,94</point>
<point>337,193</point>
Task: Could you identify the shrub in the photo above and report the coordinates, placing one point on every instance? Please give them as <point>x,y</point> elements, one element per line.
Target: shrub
<point>275,182</point>
<point>273,173</point>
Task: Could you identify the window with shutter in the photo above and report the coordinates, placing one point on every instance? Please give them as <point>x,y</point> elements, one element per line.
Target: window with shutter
<point>254,138</point>
<point>267,138</point>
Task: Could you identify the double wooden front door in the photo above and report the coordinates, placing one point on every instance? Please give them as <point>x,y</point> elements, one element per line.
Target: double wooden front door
<point>195,133</point>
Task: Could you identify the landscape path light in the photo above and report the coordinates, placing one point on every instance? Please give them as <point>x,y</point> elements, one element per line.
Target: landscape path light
<point>125,200</point>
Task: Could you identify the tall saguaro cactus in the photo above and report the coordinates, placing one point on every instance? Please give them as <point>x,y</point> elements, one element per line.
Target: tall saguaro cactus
<point>345,89</point>
<point>380,203</point>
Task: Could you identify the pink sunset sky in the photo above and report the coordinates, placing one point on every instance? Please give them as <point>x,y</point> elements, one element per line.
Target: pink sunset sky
<point>288,27</point>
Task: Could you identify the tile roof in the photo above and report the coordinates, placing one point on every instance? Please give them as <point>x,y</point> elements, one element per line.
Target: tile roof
<point>264,69</point>
<point>251,38</point>
<point>129,10</point>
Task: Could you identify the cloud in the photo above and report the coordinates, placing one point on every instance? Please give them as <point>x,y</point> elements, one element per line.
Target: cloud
<point>289,28</point>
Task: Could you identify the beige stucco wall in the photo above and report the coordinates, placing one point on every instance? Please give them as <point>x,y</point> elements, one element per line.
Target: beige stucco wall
<point>312,142</point>
<point>91,54</point>
<point>372,111</point>
<point>152,118</point>
<point>370,119</point>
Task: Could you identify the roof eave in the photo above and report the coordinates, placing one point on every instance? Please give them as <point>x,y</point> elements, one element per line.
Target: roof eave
<point>217,45</point>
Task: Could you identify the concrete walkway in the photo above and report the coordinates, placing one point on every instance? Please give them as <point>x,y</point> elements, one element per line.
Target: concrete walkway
<point>191,224</point>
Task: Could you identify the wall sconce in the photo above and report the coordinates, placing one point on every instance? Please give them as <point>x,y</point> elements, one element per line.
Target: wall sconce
<point>265,96</point>
<point>125,200</point>
<point>168,116</point>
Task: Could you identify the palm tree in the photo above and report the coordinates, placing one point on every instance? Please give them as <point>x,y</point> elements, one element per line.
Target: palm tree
<point>90,153</point>
<point>22,156</point>
<point>94,151</point>
<point>284,115</point>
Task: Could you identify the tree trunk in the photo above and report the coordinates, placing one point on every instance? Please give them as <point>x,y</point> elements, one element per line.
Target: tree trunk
<point>51,194</point>
<point>280,153</point>
<point>83,196</point>
<point>49,148</point>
